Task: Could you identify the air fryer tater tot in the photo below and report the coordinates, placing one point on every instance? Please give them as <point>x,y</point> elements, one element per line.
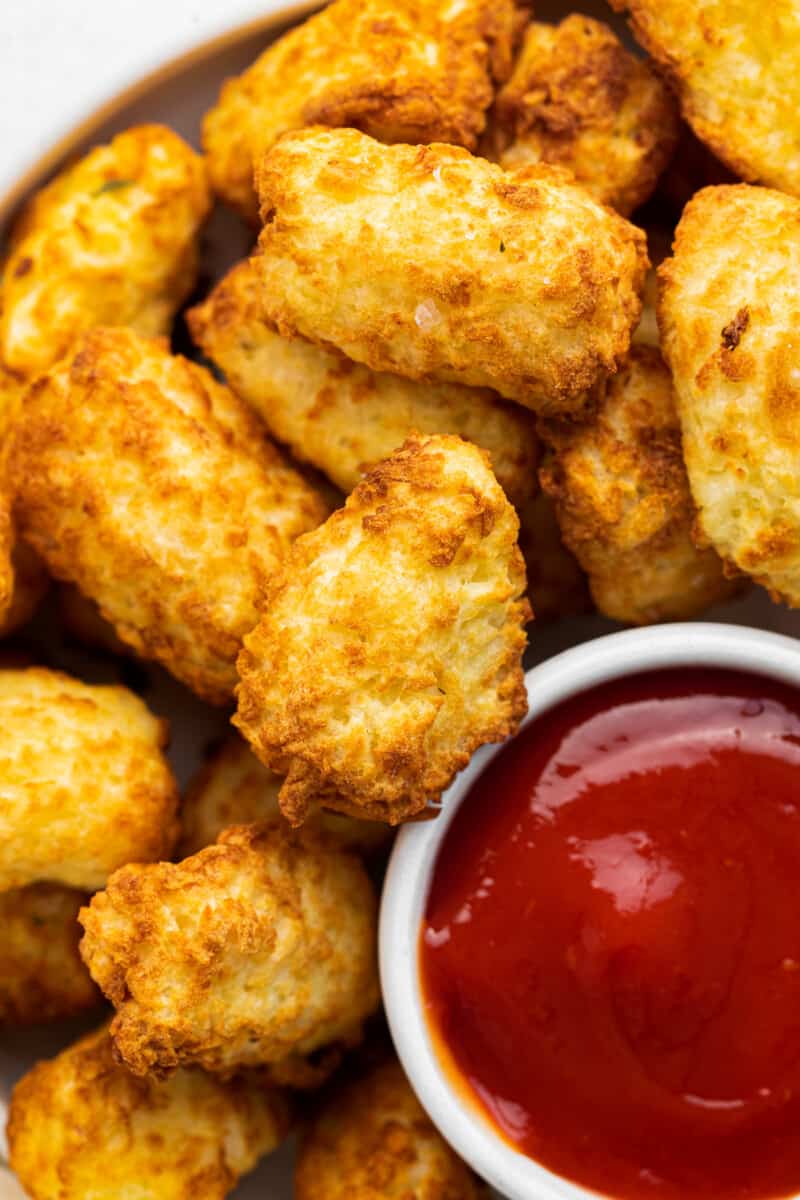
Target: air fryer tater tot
<point>372,1140</point>
<point>82,1126</point>
<point>401,70</point>
<point>433,264</point>
<point>391,648</point>
<point>339,415</point>
<point>234,788</point>
<point>579,99</point>
<point>623,500</point>
<point>42,975</point>
<point>153,488</point>
<point>112,240</point>
<point>729,318</point>
<point>84,785</point>
<point>734,67</point>
<point>258,950</point>
<point>23,580</point>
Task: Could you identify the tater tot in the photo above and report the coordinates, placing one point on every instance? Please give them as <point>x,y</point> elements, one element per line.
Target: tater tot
<point>82,1127</point>
<point>577,98</point>
<point>84,785</point>
<point>623,500</point>
<point>256,951</point>
<point>153,488</point>
<point>734,67</point>
<point>433,264</point>
<point>401,70</point>
<point>373,1141</point>
<point>23,581</point>
<point>233,788</point>
<point>112,240</point>
<point>557,586</point>
<point>391,648</point>
<point>339,415</point>
<point>42,975</point>
<point>729,315</point>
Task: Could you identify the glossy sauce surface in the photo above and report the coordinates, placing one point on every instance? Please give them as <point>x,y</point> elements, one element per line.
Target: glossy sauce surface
<point>611,946</point>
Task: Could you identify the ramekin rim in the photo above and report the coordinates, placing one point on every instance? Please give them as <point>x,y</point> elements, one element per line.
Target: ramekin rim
<point>630,652</point>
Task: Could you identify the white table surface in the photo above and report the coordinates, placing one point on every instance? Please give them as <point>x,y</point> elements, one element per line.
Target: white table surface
<point>63,60</point>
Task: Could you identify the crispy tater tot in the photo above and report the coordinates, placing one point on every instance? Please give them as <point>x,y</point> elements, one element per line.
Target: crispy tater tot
<point>256,951</point>
<point>23,580</point>
<point>734,67</point>
<point>433,264</point>
<point>372,1140</point>
<point>557,586</point>
<point>579,99</point>
<point>152,487</point>
<point>340,415</point>
<point>112,240</point>
<point>82,1126</point>
<point>84,785</point>
<point>623,501</point>
<point>401,70</point>
<point>391,648</point>
<point>42,975</point>
<point>234,788</point>
<point>729,316</point>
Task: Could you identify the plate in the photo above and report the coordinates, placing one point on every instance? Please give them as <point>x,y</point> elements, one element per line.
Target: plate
<point>178,98</point>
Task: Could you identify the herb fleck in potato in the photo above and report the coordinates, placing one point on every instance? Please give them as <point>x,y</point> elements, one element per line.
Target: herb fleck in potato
<point>403,71</point>
<point>84,785</point>
<point>391,648</point>
<point>437,265</point>
<point>148,484</point>
<point>257,951</point>
<point>339,415</point>
<point>81,1125</point>
<point>579,99</point>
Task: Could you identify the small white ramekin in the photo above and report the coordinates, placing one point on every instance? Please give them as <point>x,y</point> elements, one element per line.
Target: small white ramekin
<point>408,880</point>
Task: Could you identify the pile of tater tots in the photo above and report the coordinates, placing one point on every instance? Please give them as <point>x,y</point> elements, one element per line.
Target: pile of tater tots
<point>447,395</point>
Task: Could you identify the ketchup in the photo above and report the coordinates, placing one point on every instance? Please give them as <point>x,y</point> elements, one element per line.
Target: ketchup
<point>610,954</point>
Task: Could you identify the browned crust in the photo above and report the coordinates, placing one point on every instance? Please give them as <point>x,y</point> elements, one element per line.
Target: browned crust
<point>413,754</point>
<point>579,99</point>
<point>123,426</point>
<point>366,65</point>
<point>257,951</point>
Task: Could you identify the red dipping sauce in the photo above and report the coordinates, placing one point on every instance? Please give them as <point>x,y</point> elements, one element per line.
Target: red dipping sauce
<point>610,953</point>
